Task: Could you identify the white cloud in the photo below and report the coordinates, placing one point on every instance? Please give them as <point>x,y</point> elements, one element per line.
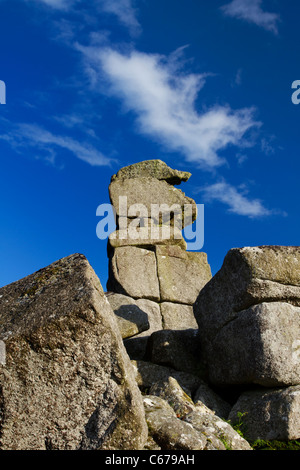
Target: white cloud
<point>124,11</point>
<point>37,137</point>
<point>164,101</point>
<point>251,11</point>
<point>237,202</point>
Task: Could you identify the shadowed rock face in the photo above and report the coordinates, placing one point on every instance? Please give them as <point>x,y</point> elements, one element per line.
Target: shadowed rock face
<point>67,382</point>
<point>248,317</point>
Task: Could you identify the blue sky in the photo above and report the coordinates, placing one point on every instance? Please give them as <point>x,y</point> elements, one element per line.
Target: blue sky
<point>92,86</point>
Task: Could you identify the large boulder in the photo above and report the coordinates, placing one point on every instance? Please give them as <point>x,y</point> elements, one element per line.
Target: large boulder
<point>268,415</point>
<point>66,381</point>
<point>249,276</point>
<point>261,345</point>
<point>248,317</point>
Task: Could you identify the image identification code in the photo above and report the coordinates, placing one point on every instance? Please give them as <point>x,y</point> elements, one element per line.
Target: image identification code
<point>152,459</point>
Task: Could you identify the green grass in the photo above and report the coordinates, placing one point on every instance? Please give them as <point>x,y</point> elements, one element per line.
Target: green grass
<point>275,445</point>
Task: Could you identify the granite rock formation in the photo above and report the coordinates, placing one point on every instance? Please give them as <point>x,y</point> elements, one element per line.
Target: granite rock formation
<point>156,268</point>
<point>169,358</point>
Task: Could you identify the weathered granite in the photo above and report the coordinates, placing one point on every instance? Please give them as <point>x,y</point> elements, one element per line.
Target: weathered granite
<point>248,276</point>
<point>154,169</point>
<point>270,414</point>
<point>169,432</point>
<point>146,236</point>
<point>148,373</point>
<point>131,319</point>
<point>205,395</point>
<point>137,345</point>
<point>67,382</point>
<point>160,201</point>
<point>176,349</point>
<point>261,345</point>
<point>177,316</point>
<point>217,430</point>
<point>133,272</point>
<point>181,274</point>
<point>213,432</point>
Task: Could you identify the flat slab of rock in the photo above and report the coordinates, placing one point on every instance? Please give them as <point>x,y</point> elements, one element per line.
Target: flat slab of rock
<point>154,169</point>
<point>133,272</point>
<point>269,414</point>
<point>181,274</point>
<point>147,236</point>
<point>66,382</point>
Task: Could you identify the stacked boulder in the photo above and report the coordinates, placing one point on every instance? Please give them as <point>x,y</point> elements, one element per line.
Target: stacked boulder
<point>153,281</point>
<point>249,325</point>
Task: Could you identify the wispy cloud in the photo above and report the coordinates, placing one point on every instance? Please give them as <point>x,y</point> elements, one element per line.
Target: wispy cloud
<point>124,11</point>
<point>35,136</point>
<point>252,11</point>
<point>163,99</point>
<point>57,4</point>
<point>236,200</point>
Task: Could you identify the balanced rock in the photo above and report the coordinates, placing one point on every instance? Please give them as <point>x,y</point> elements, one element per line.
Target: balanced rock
<point>66,381</point>
<point>154,169</point>
<point>150,198</point>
